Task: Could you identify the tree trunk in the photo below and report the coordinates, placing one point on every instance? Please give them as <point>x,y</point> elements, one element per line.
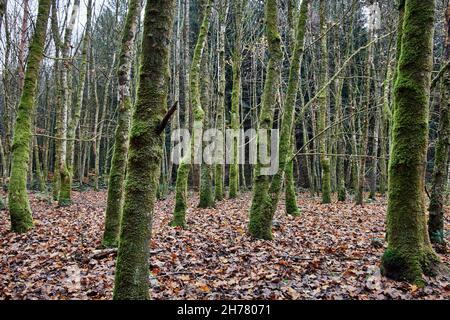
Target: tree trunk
<point>409,253</point>
<point>287,124</point>
<point>220,122</point>
<point>440,171</point>
<point>19,205</point>
<point>145,154</point>
<point>363,145</point>
<point>260,225</point>
<point>120,154</point>
<point>206,192</point>
<point>179,214</point>
<point>236,100</point>
<point>75,119</point>
<point>323,107</point>
<point>64,198</point>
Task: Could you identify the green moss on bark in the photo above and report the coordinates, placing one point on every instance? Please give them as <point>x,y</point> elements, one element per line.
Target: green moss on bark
<point>119,159</point>
<point>179,214</point>
<point>236,99</point>
<point>19,206</point>
<point>409,253</point>
<point>260,224</point>
<point>287,123</point>
<point>291,194</point>
<point>76,112</point>
<point>181,195</point>
<point>145,154</point>
<point>440,171</point>
<point>206,186</point>
<point>220,124</point>
<point>323,108</point>
<point>65,190</point>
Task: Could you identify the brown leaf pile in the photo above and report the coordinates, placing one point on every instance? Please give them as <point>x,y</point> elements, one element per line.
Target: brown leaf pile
<point>330,252</point>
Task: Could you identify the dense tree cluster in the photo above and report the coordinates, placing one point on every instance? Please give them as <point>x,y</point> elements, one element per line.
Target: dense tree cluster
<point>91,93</point>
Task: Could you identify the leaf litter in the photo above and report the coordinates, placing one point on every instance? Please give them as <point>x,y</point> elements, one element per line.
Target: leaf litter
<point>329,252</point>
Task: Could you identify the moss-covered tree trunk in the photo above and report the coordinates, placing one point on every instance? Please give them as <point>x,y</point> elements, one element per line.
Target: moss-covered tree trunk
<point>76,112</point>
<point>220,121</point>
<point>145,153</point>
<point>101,125</point>
<point>181,188</point>
<point>287,123</point>
<point>236,99</point>
<point>363,143</point>
<point>64,197</point>
<point>206,186</point>
<point>290,189</point>
<point>440,171</point>
<point>120,153</point>
<point>384,125</point>
<point>260,224</point>
<point>57,76</point>
<point>19,206</point>
<point>39,176</point>
<point>409,253</point>
<point>340,170</point>
<point>375,145</point>
<point>323,107</point>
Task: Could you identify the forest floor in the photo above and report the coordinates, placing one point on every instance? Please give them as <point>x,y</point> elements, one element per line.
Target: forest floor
<point>330,252</point>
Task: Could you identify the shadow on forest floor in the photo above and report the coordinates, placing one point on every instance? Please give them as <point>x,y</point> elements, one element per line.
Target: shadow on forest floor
<point>330,252</point>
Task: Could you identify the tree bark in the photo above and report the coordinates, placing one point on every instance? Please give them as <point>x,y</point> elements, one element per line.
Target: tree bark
<point>409,253</point>
<point>19,205</point>
<point>120,154</point>
<point>145,154</point>
<point>179,214</point>
<point>260,225</point>
<point>323,107</point>
<point>236,100</point>
<point>440,171</point>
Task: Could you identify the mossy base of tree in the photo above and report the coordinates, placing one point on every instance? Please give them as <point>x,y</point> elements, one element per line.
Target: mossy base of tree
<point>291,196</point>
<point>206,190</point>
<point>110,243</point>
<point>181,194</point>
<point>21,216</point>
<point>260,224</point>
<point>342,194</point>
<point>436,227</point>
<point>409,266</point>
<point>326,181</point>
<point>260,228</point>
<point>65,192</point>
<point>359,196</point>
<point>112,230</point>
<point>291,207</point>
<point>179,220</point>
<point>233,183</point>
